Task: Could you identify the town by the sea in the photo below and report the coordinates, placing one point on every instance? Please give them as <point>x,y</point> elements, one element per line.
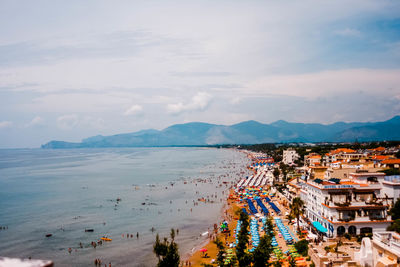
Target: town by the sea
<point>55,203</point>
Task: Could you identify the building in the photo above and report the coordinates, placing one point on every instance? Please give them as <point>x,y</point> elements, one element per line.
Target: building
<point>344,155</point>
<point>318,172</point>
<point>386,249</point>
<point>312,159</point>
<point>391,187</point>
<point>290,156</point>
<point>390,183</point>
<point>391,163</point>
<point>345,206</point>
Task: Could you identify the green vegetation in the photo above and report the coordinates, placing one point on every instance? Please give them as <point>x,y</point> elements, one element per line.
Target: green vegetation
<point>243,257</point>
<point>391,171</point>
<point>276,150</point>
<point>269,227</point>
<point>395,212</point>
<point>221,252</point>
<point>262,253</point>
<point>167,251</point>
<point>347,236</point>
<point>297,209</point>
<point>292,262</point>
<point>276,174</point>
<point>302,247</point>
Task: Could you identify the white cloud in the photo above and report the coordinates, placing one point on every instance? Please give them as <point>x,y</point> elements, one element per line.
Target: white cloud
<point>36,121</point>
<point>5,124</point>
<point>381,82</point>
<point>134,110</point>
<point>67,122</point>
<point>348,32</point>
<point>198,102</point>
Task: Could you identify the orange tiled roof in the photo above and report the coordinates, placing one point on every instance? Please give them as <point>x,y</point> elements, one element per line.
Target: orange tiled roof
<point>381,148</point>
<point>344,150</point>
<point>346,182</point>
<point>315,157</point>
<point>391,161</point>
<point>380,157</point>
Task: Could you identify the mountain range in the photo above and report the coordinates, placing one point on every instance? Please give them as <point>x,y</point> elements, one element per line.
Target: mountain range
<point>248,132</point>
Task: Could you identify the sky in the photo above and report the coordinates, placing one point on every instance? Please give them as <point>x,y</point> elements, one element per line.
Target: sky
<point>74,69</point>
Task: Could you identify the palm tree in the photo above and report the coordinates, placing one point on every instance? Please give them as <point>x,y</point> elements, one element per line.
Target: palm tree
<point>276,174</point>
<point>297,209</point>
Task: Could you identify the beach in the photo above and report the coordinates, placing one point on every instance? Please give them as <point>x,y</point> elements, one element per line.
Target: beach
<point>117,193</point>
<point>255,196</point>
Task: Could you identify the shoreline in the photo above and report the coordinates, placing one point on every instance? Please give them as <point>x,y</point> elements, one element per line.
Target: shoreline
<point>228,213</point>
<point>194,258</point>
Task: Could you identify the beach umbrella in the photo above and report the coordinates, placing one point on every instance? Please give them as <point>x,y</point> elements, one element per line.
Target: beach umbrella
<point>203,250</point>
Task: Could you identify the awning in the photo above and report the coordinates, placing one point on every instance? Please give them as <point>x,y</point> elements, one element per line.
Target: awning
<point>319,227</point>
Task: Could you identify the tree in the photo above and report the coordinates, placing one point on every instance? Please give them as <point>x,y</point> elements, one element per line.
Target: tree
<point>221,252</point>
<point>276,174</point>
<point>395,210</point>
<point>262,253</point>
<point>243,257</point>
<point>297,209</point>
<point>276,263</point>
<point>338,244</point>
<point>269,227</point>
<point>292,262</point>
<point>302,247</point>
<point>284,171</point>
<point>395,226</point>
<point>167,251</point>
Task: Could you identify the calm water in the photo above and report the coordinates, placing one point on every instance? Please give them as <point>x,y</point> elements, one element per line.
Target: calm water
<point>62,192</point>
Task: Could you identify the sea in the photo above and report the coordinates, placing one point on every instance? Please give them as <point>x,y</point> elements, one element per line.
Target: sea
<point>117,192</point>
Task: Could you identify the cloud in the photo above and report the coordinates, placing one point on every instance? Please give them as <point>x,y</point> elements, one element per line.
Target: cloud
<point>379,82</point>
<point>36,121</point>
<point>134,110</point>
<point>5,124</point>
<point>201,73</point>
<point>67,122</point>
<point>348,32</point>
<point>198,102</point>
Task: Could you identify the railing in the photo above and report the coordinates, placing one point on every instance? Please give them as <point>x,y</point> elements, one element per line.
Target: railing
<point>390,239</point>
<point>359,219</point>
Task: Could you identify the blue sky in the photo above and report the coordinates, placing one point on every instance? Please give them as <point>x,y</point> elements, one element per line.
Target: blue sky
<point>73,69</point>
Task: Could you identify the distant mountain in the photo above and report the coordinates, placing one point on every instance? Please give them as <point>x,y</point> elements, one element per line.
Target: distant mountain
<point>248,132</point>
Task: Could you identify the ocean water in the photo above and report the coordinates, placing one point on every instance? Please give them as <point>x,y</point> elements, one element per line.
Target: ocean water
<point>64,192</point>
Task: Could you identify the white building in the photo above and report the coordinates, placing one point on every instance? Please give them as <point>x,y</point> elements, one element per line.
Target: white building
<point>390,184</point>
<point>290,156</point>
<point>386,249</point>
<point>345,206</point>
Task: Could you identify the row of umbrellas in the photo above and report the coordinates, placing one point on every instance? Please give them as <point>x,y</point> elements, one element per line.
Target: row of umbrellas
<point>283,229</point>
<point>262,206</point>
<point>273,206</point>
<point>255,236</point>
<point>252,207</point>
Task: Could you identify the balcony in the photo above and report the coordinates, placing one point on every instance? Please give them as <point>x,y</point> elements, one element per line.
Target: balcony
<point>360,218</point>
<point>354,203</point>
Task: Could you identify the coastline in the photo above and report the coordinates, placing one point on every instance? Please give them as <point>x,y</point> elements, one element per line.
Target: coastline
<point>228,213</point>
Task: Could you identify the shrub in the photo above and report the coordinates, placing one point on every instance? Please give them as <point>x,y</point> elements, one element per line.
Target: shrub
<point>348,236</point>
<point>302,247</point>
